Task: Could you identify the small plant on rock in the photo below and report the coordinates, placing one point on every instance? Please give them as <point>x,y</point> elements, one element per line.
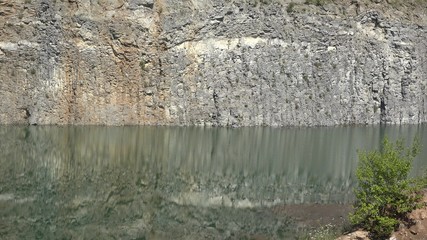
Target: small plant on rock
<point>142,64</point>
<point>386,193</point>
<point>326,232</point>
<point>315,2</point>
<point>290,7</point>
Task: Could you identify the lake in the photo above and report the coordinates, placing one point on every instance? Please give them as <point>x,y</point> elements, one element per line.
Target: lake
<point>151,182</point>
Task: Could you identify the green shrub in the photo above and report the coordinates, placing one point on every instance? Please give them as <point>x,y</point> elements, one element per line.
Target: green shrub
<point>385,193</point>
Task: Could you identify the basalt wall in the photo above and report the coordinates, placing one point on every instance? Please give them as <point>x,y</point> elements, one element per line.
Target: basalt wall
<point>213,62</point>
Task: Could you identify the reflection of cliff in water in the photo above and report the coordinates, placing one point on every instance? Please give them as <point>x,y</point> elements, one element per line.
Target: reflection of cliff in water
<point>175,183</point>
<point>223,166</point>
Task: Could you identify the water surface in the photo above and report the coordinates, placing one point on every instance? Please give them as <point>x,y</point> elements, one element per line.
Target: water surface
<point>177,182</point>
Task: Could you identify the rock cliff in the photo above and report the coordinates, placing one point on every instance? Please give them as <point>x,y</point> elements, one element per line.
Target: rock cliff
<point>213,62</point>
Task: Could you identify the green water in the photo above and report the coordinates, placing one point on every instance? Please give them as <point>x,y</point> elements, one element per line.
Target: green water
<point>94,182</point>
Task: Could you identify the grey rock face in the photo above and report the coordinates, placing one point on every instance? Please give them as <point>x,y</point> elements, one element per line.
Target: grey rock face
<point>221,63</point>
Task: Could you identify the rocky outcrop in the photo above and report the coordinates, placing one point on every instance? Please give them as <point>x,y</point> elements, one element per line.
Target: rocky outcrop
<point>205,62</point>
